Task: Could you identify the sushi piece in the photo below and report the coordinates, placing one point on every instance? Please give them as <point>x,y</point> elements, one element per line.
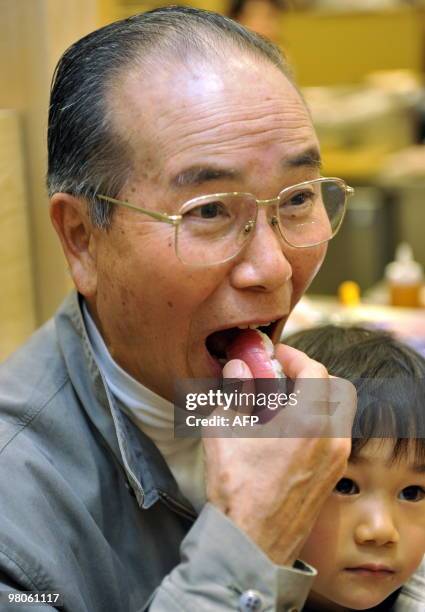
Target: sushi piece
<point>256,349</point>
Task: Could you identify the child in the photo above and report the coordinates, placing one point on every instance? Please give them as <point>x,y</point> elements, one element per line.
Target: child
<point>369,538</point>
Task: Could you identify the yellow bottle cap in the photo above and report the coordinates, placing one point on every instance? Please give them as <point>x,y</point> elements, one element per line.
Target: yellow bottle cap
<point>349,293</point>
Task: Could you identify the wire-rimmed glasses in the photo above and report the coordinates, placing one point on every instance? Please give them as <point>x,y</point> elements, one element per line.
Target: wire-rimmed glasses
<point>214,228</point>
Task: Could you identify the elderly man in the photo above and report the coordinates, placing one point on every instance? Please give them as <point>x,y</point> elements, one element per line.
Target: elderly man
<point>150,117</point>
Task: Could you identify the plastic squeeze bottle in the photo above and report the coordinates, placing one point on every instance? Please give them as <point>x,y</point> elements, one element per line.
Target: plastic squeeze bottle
<point>349,293</point>
<point>404,277</point>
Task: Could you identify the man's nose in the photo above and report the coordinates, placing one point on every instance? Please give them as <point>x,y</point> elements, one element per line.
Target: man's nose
<point>377,525</point>
<point>263,264</point>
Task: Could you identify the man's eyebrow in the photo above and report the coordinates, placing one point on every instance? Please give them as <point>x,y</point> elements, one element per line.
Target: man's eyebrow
<point>310,158</point>
<point>197,175</point>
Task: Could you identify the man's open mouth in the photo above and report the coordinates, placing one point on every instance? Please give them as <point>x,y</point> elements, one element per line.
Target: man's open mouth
<point>218,342</point>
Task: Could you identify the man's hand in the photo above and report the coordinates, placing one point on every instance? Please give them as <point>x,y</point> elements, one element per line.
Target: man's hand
<point>273,488</point>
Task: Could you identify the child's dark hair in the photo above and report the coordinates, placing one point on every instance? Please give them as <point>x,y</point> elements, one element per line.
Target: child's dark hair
<point>389,378</point>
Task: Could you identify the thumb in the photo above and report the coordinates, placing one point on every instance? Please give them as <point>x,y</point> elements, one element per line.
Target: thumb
<point>236,368</point>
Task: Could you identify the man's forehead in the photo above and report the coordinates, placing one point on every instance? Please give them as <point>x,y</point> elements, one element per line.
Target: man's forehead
<point>213,68</point>
<point>192,111</point>
<point>174,87</point>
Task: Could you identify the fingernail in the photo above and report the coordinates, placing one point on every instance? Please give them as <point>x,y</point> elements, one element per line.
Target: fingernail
<point>236,369</point>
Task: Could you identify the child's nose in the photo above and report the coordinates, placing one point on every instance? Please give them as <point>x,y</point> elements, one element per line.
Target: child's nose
<point>377,526</point>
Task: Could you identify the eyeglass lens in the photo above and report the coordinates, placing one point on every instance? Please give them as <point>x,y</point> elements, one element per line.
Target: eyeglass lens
<point>214,229</point>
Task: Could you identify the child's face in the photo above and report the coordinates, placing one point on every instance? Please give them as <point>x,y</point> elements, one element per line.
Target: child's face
<point>370,535</point>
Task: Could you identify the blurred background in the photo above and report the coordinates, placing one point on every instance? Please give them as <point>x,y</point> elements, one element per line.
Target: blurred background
<point>361,65</point>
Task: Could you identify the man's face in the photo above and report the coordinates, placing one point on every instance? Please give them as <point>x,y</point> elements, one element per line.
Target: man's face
<point>370,534</point>
<point>245,127</point>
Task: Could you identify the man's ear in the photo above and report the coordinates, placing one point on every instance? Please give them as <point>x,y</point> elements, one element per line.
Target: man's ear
<point>70,219</point>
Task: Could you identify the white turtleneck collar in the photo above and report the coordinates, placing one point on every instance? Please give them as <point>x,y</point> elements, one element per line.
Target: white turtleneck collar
<point>154,416</point>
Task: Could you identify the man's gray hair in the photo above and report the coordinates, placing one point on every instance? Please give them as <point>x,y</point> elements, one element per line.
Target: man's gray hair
<point>86,156</point>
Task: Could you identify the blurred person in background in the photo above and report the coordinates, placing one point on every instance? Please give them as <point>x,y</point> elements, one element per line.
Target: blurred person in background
<point>261,16</point>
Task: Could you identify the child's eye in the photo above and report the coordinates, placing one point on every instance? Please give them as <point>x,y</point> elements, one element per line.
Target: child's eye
<point>413,493</point>
<point>346,486</point>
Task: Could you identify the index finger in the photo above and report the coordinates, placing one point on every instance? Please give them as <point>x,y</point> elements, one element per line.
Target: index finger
<point>297,364</point>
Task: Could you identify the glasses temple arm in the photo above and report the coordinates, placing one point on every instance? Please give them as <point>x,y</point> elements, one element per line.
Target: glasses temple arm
<point>172,219</point>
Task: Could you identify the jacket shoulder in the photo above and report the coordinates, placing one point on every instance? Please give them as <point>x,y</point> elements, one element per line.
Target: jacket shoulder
<point>29,379</point>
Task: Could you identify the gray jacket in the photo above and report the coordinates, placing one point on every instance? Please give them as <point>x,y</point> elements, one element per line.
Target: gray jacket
<point>89,508</point>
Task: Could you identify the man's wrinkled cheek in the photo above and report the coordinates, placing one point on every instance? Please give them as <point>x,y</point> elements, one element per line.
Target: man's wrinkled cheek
<point>312,263</point>
<point>126,296</point>
<point>188,287</point>
<point>317,267</point>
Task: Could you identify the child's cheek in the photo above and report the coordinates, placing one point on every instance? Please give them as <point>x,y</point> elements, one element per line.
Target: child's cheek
<point>329,529</point>
<point>321,538</point>
<point>414,554</point>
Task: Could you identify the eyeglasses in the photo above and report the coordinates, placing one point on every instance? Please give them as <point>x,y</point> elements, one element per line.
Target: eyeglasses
<point>213,229</point>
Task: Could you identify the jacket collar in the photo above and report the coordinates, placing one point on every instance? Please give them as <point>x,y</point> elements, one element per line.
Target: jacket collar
<point>147,473</point>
